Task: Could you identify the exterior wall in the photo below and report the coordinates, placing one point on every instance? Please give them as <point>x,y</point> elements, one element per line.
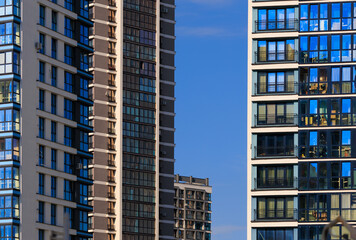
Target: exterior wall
<point>134,88</point>
<point>299,160</point>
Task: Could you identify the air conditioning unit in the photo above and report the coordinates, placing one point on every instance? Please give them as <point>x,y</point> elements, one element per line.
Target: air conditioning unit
<point>38,46</point>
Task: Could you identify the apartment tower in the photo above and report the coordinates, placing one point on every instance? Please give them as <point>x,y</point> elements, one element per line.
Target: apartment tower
<point>133,117</point>
<point>192,211</point>
<point>44,121</point>
<point>301,117</point>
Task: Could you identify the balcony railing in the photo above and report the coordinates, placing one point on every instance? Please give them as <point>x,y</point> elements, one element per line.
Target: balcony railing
<point>111,66</point>
<point>111,114</point>
<point>111,179</point>
<point>112,3</point>
<point>273,120</point>
<point>276,151</point>
<point>111,163</point>
<point>278,56</point>
<point>111,146</point>
<point>111,211</point>
<point>276,215</point>
<point>111,83</point>
<point>275,183</point>
<point>111,227</point>
<point>111,98</point>
<point>111,18</point>
<point>275,89</point>
<point>111,130</point>
<point>111,195</point>
<point>276,25</point>
<point>112,50</point>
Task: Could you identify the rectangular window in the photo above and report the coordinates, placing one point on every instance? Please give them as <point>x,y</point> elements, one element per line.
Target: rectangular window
<point>9,33</point>
<point>53,158</point>
<point>83,221</point>
<point>84,88</point>
<point>275,82</point>
<point>84,8</point>
<point>53,186</point>
<point>68,4</point>
<point>68,136</point>
<point>83,199</point>
<point>68,109</point>
<point>276,19</point>
<point>276,51</point>
<point>275,208</point>
<point>41,99</point>
<point>41,127</point>
<point>53,131</point>
<point>53,103</point>
<point>41,182</point>
<point>68,163</point>
<point>273,113</point>
<point>68,190</point>
<point>41,234</point>
<point>53,214</point>
<point>69,27</point>
<point>41,77</point>
<point>42,39</point>
<point>275,145</point>
<point>84,141</point>
<point>84,114</point>
<point>275,234</point>
<point>84,35</point>
<point>69,212</point>
<point>68,55</point>
<point>41,155</point>
<point>9,62</point>
<point>68,82</point>
<point>84,61</point>
<point>54,48</point>
<point>42,15</point>
<point>54,76</point>
<point>41,210</point>
<point>54,20</point>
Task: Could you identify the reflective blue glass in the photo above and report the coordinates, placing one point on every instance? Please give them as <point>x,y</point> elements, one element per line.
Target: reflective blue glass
<point>335,10</point>
<point>313,138</point>
<point>346,74</point>
<point>313,74</point>
<point>346,10</point>
<point>346,137</point>
<point>346,105</point>
<point>313,43</point>
<point>313,109</point>
<point>335,74</point>
<point>304,43</point>
<point>262,18</point>
<point>346,169</point>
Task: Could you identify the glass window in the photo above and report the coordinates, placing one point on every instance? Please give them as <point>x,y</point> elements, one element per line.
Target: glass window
<point>42,15</point>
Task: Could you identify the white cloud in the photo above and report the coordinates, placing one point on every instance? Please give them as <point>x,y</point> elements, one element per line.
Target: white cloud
<point>207,32</point>
<point>220,230</point>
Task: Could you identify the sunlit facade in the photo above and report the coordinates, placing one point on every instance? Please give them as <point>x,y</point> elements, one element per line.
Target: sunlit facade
<point>301,117</point>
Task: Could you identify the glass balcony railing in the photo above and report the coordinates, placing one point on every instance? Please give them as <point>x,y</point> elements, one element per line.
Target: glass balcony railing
<point>275,151</point>
<point>276,25</point>
<point>276,56</point>
<point>275,120</point>
<point>276,215</point>
<point>276,183</point>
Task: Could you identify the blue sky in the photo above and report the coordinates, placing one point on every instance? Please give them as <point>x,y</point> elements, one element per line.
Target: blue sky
<point>211,104</point>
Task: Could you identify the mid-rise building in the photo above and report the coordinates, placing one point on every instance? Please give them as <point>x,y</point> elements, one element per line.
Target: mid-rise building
<point>133,118</point>
<point>192,211</point>
<point>301,117</point>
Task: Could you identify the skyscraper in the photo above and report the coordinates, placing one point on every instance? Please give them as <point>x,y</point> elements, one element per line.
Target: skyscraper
<point>301,117</point>
<point>133,116</point>
<point>44,131</point>
<point>192,208</point>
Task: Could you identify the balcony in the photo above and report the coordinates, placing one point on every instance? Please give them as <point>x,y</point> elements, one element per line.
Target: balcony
<point>111,115</point>
<point>111,83</point>
<point>111,227</point>
<point>276,89</point>
<point>111,179</point>
<point>263,57</point>
<point>111,211</point>
<point>276,215</point>
<point>111,50</point>
<point>111,99</point>
<point>111,163</point>
<point>111,146</point>
<point>275,120</point>
<point>112,3</point>
<point>112,35</point>
<point>111,130</point>
<point>275,183</point>
<point>111,66</point>
<point>276,152</point>
<point>277,25</point>
<point>111,195</point>
<point>111,18</point>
